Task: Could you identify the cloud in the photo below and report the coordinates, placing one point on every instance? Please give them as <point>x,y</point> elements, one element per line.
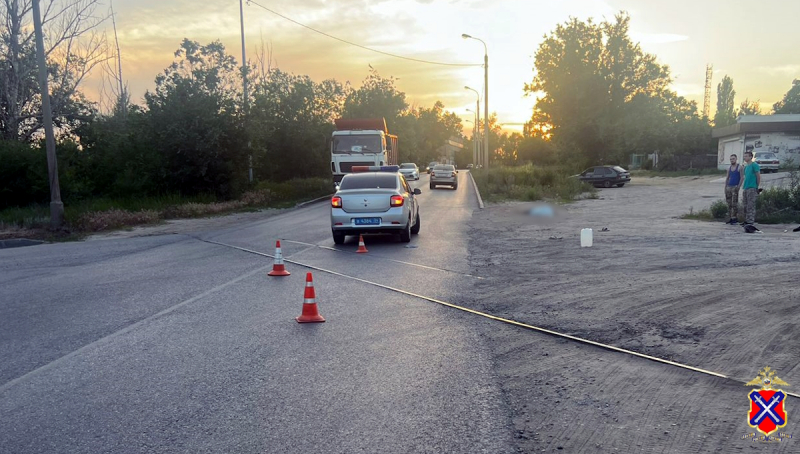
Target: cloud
<point>783,70</point>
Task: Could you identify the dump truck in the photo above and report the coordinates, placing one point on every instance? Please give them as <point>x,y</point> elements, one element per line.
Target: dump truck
<point>361,142</point>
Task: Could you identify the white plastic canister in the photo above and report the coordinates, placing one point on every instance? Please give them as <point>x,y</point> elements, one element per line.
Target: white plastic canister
<point>586,237</point>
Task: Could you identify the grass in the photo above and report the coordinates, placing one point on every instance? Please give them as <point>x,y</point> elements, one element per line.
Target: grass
<point>529,183</point>
<point>103,214</point>
<point>773,206</point>
<point>676,173</point>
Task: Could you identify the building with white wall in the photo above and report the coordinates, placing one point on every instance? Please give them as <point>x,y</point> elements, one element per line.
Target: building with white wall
<point>779,134</point>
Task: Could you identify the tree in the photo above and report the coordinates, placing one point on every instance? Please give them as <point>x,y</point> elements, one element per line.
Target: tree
<point>725,114</point>
<point>749,108</point>
<point>195,121</point>
<point>790,104</point>
<point>376,98</point>
<point>73,49</point>
<point>595,85</point>
<point>295,117</point>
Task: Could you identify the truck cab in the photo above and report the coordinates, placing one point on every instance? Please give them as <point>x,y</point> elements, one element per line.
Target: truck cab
<point>361,142</point>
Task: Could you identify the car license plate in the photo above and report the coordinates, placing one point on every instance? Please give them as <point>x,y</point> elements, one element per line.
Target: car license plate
<point>368,221</point>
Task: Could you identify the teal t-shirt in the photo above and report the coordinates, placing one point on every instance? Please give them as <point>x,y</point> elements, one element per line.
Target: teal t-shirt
<point>750,180</point>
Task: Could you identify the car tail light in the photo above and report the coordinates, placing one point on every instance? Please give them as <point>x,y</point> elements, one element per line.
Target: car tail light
<point>433,174</point>
<point>336,202</point>
<point>397,201</point>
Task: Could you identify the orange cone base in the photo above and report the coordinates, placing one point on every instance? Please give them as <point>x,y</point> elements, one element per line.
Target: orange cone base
<point>310,315</point>
<point>278,270</point>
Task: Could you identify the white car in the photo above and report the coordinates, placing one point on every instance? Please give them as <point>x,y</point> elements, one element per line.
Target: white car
<point>409,170</point>
<point>374,199</point>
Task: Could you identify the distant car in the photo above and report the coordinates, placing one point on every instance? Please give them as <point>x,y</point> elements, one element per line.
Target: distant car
<point>431,165</point>
<point>605,176</point>
<point>469,166</point>
<point>444,174</point>
<point>409,170</point>
<point>374,200</point>
<point>767,161</point>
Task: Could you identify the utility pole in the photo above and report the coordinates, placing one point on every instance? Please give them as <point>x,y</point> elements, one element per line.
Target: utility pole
<point>56,206</point>
<point>123,96</point>
<point>244,88</point>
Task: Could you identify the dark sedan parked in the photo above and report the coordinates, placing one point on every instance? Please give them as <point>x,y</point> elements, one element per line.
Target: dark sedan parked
<point>605,176</point>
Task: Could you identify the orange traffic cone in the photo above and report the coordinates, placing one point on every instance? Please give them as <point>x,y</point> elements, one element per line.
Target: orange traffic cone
<point>310,313</point>
<point>361,247</point>
<point>278,268</point>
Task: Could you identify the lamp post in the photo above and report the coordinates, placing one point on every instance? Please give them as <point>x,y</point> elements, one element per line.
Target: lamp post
<point>485,97</point>
<point>56,205</point>
<point>475,137</point>
<point>244,91</point>
<point>477,123</point>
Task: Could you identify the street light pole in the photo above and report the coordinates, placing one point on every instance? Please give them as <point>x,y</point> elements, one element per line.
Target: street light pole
<point>475,138</point>
<point>485,97</point>
<point>244,88</point>
<point>56,206</point>
<point>477,122</point>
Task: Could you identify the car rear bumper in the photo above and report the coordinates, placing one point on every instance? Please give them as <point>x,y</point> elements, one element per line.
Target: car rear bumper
<point>393,220</point>
<point>443,180</point>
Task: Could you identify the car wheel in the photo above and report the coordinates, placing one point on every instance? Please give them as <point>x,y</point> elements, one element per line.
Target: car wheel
<point>432,185</point>
<point>415,229</point>
<point>405,235</point>
<point>338,238</point>
<point>607,184</point>
<point>455,186</point>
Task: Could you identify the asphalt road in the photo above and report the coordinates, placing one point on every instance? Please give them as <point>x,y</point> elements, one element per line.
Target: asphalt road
<point>181,343</point>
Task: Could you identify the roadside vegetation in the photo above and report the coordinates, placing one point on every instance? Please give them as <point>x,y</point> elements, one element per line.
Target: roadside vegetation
<point>189,146</point>
<point>529,183</point>
<point>773,206</point>
<point>676,173</point>
<point>101,214</point>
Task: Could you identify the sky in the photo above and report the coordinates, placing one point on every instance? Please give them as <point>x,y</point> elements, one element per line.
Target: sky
<point>754,43</point>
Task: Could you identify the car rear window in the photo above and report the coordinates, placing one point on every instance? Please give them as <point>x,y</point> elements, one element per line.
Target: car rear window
<point>369,181</point>
<point>619,169</point>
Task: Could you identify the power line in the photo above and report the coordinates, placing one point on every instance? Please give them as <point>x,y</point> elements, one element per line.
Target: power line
<point>359,45</point>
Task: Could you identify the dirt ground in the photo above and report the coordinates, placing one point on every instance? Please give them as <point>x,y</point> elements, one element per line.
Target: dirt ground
<point>699,293</point>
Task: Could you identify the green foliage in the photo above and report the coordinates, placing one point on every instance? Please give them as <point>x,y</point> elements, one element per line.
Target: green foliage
<point>376,98</point>
<point>725,103</point>
<point>604,98</point>
<point>290,123</point>
<point>719,209</point>
<point>790,104</point>
<point>23,175</point>
<point>749,107</point>
<point>297,189</point>
<point>528,183</point>
<point>193,122</point>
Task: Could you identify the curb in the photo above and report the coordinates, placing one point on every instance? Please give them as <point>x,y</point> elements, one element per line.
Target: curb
<point>477,192</point>
<point>302,204</point>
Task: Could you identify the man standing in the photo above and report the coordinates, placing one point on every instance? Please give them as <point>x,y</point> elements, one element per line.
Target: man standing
<point>733,182</point>
<point>752,180</point>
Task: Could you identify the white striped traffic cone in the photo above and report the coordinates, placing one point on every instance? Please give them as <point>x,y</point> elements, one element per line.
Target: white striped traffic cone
<point>362,248</point>
<point>277,268</point>
<point>310,313</point>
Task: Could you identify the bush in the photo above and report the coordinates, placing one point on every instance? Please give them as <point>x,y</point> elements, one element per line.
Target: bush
<point>529,183</point>
<point>23,175</point>
<point>719,209</point>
